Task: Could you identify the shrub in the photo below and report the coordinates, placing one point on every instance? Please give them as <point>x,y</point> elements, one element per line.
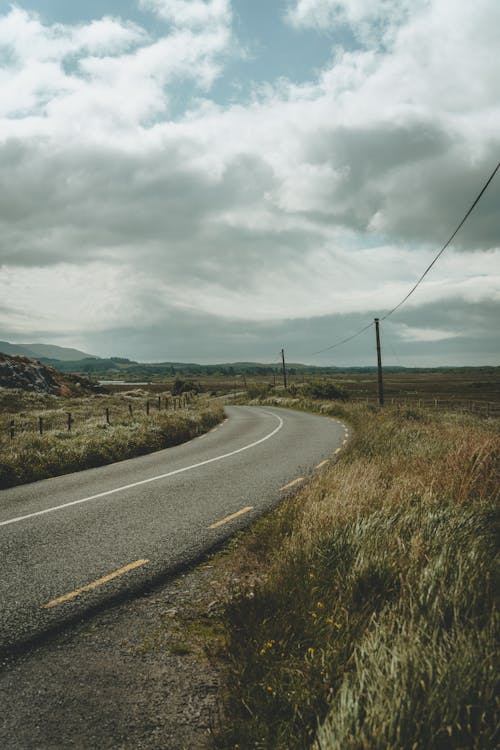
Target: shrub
<point>258,390</point>
<point>184,386</point>
<point>324,390</point>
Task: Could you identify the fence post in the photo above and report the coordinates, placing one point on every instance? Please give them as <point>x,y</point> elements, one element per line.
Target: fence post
<point>107,415</point>
<point>70,421</point>
<point>147,407</point>
<point>40,425</point>
<point>130,409</point>
<point>12,429</point>
<point>159,403</point>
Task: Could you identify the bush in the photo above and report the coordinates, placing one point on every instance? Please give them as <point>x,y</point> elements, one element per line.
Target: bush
<point>259,390</point>
<point>326,391</point>
<point>184,386</point>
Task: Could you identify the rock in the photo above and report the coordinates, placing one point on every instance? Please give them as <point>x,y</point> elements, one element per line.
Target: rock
<point>30,375</point>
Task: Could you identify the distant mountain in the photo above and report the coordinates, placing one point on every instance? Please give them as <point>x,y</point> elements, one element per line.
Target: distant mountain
<point>44,351</point>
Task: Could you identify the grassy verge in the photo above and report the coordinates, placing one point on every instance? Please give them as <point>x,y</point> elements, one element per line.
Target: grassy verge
<point>91,441</point>
<point>368,619</point>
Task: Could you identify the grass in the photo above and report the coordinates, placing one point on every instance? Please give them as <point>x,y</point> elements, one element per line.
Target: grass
<point>463,388</point>
<point>369,617</point>
<point>91,441</point>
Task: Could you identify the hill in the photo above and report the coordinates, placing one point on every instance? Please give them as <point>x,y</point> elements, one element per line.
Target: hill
<point>29,375</point>
<point>44,351</point>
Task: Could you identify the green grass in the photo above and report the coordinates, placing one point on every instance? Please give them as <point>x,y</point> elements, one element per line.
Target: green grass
<point>91,441</point>
<point>371,621</point>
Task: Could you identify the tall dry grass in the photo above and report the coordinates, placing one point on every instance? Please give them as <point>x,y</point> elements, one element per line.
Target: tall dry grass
<point>91,441</point>
<point>371,621</point>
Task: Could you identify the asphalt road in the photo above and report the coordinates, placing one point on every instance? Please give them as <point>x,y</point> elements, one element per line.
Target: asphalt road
<point>72,544</point>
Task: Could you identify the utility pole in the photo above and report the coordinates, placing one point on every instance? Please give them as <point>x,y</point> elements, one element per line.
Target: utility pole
<point>284,367</point>
<point>379,365</point>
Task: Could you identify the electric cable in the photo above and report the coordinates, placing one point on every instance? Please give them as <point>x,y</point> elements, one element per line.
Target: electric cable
<point>447,243</point>
<point>344,341</point>
<point>476,201</point>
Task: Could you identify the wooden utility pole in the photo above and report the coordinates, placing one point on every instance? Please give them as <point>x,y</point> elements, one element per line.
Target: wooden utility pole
<point>379,365</point>
<point>284,367</point>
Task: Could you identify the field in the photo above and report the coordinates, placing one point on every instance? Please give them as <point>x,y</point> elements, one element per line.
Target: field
<point>369,613</point>
<point>136,418</point>
<point>42,436</point>
<point>463,388</point>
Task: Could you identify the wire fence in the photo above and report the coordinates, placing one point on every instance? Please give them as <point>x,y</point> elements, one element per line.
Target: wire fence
<point>124,412</point>
<point>480,408</point>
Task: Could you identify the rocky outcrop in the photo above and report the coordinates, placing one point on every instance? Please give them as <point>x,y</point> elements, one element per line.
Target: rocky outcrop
<point>30,375</point>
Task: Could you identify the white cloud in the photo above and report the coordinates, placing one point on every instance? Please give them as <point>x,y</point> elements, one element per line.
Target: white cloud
<point>96,77</point>
<point>409,333</point>
<point>60,301</point>
<point>372,21</point>
<point>25,37</point>
<point>191,13</point>
<point>325,198</point>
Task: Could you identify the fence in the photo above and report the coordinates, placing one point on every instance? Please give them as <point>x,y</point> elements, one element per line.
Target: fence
<point>480,408</point>
<point>118,412</point>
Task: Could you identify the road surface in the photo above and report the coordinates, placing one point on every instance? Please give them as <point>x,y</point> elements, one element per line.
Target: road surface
<point>72,544</point>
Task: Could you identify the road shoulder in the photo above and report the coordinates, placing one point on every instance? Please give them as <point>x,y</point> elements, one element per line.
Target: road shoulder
<point>139,675</point>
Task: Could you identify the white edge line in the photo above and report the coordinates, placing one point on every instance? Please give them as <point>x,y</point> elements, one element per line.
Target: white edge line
<point>151,479</point>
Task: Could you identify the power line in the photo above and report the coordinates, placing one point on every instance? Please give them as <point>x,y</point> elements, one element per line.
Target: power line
<point>384,317</point>
<point>344,341</point>
<point>476,201</point>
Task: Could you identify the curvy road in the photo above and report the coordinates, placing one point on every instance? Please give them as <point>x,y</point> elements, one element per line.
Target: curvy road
<point>72,544</point>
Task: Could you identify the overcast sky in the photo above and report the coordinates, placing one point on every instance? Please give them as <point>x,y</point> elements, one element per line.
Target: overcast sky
<point>211,180</point>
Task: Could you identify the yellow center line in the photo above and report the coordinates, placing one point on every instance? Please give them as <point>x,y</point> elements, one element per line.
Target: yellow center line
<point>292,484</point>
<point>323,463</point>
<point>95,584</point>
<point>230,518</point>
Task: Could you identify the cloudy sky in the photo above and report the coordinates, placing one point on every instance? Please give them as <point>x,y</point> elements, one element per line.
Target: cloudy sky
<point>211,180</point>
